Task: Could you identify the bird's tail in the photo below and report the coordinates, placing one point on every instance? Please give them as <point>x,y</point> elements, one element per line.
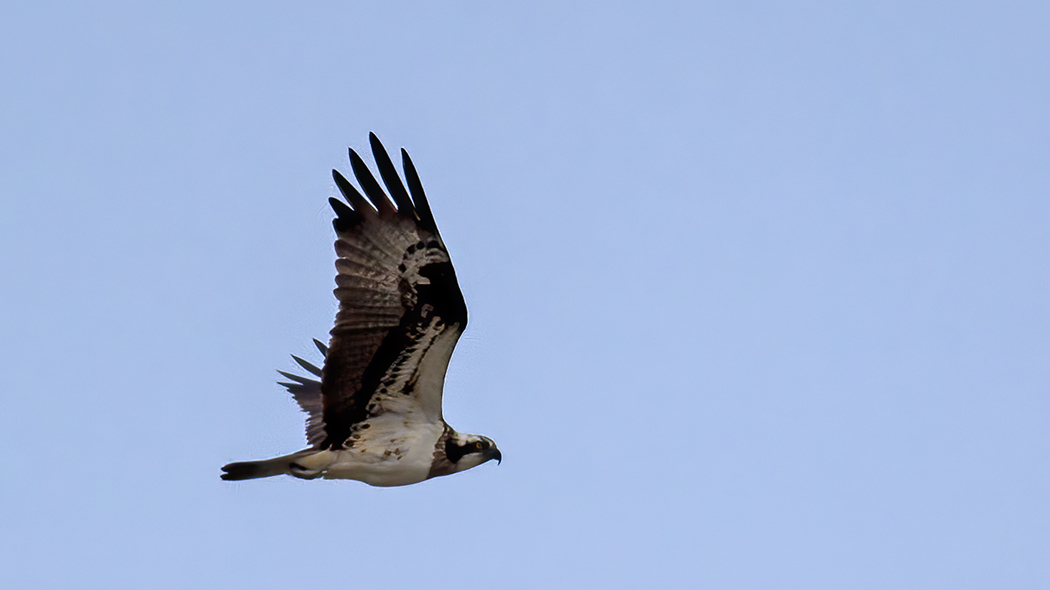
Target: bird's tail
<point>286,464</point>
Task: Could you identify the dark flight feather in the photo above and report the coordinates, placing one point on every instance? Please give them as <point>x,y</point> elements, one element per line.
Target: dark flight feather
<point>426,218</point>
<point>352,196</point>
<point>307,365</point>
<point>391,178</point>
<point>371,187</point>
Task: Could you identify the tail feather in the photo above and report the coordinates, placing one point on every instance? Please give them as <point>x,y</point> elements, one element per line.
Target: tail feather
<point>266,468</point>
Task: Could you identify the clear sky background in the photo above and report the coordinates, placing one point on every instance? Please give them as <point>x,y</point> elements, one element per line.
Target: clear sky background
<point>759,292</point>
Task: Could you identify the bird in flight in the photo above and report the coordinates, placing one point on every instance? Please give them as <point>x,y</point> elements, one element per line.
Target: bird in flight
<point>374,415</point>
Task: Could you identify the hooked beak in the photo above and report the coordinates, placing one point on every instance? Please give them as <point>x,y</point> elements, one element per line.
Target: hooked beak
<point>498,456</point>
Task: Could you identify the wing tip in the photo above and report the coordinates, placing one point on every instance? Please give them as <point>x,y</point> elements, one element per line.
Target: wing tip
<point>394,186</point>
<point>411,203</point>
<point>345,217</point>
<point>307,365</point>
<point>419,196</point>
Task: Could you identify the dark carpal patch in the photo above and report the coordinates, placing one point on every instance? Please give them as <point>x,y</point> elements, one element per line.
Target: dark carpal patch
<point>443,293</point>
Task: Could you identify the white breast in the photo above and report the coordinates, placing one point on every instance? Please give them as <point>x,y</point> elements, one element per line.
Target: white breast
<point>395,450</point>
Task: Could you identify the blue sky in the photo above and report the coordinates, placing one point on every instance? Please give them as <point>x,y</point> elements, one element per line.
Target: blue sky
<point>758,291</point>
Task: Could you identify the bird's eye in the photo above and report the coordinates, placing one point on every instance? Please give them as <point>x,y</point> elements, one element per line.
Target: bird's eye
<point>480,445</point>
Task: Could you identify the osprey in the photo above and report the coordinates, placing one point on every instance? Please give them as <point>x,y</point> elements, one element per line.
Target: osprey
<point>375,415</point>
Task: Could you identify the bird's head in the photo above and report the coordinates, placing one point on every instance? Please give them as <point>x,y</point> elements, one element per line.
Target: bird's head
<point>470,450</point>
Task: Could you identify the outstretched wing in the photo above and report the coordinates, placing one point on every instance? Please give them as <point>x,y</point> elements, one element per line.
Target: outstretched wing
<point>400,307</point>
